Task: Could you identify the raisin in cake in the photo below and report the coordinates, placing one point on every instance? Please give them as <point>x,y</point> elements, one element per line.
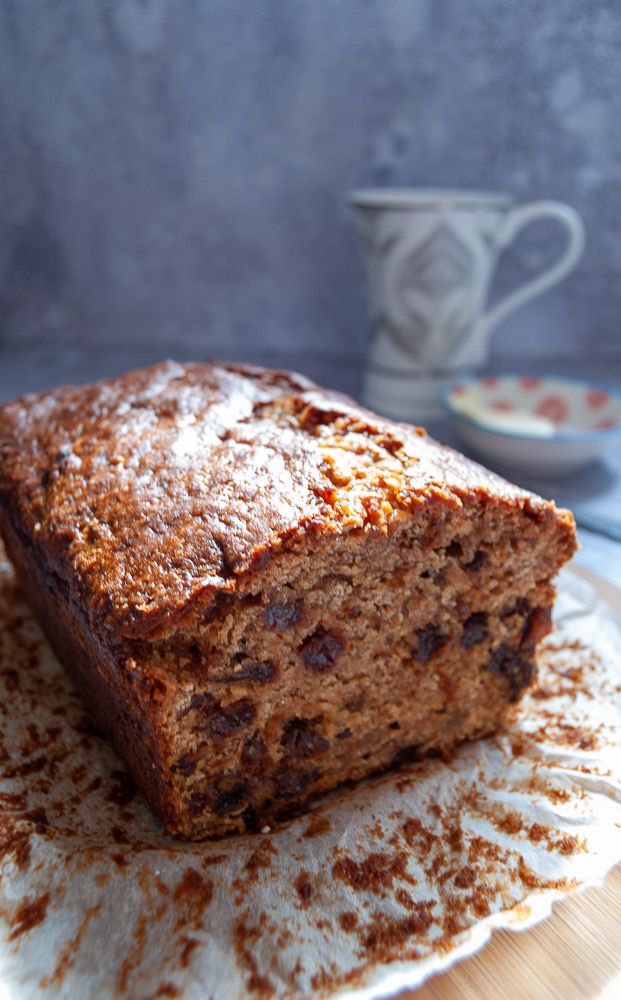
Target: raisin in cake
<point>263,590</point>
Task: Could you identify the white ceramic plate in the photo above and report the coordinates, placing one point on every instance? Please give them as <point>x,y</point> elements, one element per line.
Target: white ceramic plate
<point>539,426</point>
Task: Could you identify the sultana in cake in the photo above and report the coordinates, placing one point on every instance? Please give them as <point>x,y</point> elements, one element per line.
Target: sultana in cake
<point>263,590</point>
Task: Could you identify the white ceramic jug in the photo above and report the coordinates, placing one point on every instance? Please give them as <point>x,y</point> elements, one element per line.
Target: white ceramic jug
<point>430,259</point>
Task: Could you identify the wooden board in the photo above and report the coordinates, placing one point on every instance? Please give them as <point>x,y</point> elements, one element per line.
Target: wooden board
<point>574,955</point>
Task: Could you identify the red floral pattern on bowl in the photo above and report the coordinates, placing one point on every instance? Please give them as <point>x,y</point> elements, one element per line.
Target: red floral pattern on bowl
<point>545,426</point>
<point>573,406</point>
<point>554,407</point>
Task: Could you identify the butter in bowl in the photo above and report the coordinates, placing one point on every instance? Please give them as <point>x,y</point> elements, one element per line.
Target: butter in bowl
<point>533,425</point>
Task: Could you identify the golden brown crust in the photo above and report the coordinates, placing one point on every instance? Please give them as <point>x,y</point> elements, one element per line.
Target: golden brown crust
<point>146,493</point>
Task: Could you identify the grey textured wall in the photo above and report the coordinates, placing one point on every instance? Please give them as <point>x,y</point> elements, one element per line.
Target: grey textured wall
<point>172,171</point>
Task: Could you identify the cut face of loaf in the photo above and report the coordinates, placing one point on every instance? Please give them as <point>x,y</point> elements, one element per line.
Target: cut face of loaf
<point>264,591</point>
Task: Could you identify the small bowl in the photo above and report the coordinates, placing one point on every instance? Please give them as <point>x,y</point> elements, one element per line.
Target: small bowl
<point>540,426</point>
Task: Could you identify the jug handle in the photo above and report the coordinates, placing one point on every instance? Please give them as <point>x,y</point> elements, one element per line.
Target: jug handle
<point>517,219</point>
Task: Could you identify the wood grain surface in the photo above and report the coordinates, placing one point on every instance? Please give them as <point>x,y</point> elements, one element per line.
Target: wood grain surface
<point>573,955</point>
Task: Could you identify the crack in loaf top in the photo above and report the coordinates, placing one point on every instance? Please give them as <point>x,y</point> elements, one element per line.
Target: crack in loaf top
<point>145,493</point>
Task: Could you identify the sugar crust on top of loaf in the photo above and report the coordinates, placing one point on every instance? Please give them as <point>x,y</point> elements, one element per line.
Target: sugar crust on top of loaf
<point>160,488</point>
